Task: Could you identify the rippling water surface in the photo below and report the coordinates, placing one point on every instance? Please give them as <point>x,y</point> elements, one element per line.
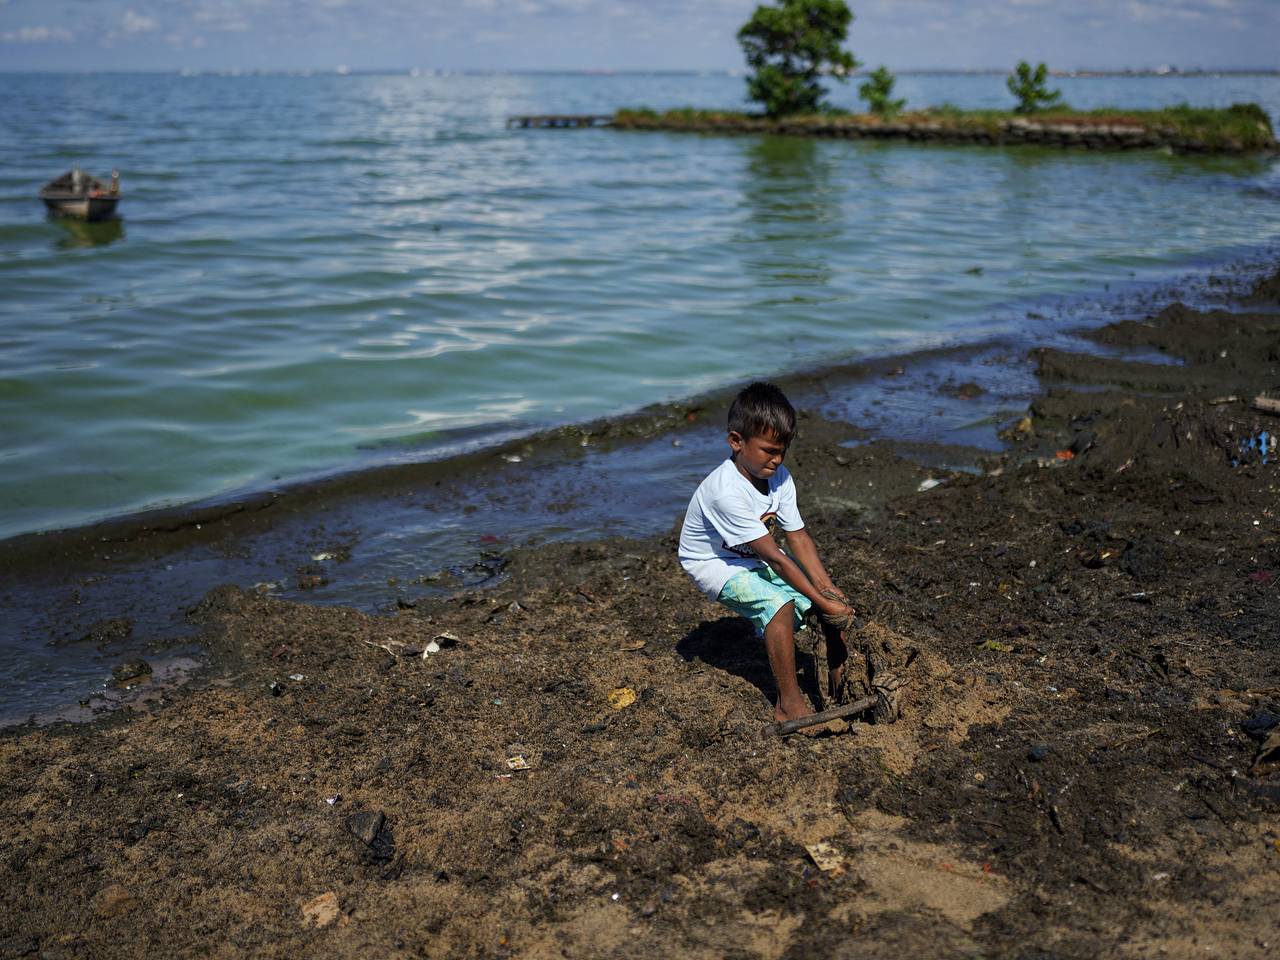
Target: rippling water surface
<point>314,273</point>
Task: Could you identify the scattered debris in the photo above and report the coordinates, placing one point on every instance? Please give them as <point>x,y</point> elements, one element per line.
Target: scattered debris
<point>826,857</point>
<point>1268,752</point>
<point>1262,445</point>
<point>621,697</point>
<point>320,911</point>
<point>131,670</point>
<point>1266,404</point>
<point>112,630</point>
<point>995,646</point>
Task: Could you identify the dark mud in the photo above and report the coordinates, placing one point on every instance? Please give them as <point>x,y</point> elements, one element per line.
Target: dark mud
<point>1088,630</point>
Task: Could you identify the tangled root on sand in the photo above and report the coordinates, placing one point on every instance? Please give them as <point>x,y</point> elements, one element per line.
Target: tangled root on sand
<point>879,663</point>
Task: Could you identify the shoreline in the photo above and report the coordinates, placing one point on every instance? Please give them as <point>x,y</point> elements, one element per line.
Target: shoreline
<point>90,597</point>
<point>1089,647</point>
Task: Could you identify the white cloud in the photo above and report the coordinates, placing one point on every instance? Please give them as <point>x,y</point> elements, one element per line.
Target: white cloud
<point>39,34</point>
<point>138,23</point>
<point>226,16</point>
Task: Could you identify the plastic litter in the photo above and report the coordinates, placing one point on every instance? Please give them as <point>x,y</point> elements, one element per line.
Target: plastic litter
<point>929,484</point>
<point>622,697</point>
<point>825,857</point>
<point>1262,446</point>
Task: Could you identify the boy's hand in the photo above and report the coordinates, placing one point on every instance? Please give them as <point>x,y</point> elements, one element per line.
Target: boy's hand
<point>835,609</point>
<point>832,592</point>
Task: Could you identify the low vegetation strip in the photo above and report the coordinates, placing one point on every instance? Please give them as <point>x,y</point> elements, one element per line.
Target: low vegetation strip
<point>1241,128</point>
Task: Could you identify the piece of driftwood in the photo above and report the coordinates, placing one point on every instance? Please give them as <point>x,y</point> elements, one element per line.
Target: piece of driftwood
<point>1267,404</point>
<point>824,716</point>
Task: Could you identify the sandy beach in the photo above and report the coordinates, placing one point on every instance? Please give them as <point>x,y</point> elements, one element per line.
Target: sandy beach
<point>1087,635</point>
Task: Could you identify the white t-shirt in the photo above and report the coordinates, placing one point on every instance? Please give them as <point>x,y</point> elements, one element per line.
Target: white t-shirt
<point>726,512</point>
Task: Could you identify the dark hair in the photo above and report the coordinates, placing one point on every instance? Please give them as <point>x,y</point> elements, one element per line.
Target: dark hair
<point>761,410</point>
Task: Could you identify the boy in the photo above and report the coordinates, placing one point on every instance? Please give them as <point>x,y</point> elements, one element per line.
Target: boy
<point>727,545</point>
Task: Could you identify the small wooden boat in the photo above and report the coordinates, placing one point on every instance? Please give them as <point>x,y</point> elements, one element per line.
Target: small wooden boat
<point>76,194</point>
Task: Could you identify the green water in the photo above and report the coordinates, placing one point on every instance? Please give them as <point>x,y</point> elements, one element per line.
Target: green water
<point>317,273</point>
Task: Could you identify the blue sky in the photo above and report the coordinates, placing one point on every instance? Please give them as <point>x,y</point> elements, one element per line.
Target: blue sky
<point>618,34</point>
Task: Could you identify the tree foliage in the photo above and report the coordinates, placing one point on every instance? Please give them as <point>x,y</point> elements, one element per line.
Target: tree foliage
<point>878,90</point>
<point>1029,87</point>
<point>788,46</point>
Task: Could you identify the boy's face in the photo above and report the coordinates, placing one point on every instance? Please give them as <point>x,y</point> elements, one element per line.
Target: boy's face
<point>758,457</point>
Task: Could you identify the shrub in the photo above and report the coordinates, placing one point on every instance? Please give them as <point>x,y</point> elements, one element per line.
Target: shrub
<point>877,91</point>
<point>1029,87</point>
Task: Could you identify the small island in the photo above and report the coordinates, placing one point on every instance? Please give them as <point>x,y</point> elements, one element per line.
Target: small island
<point>793,46</point>
<point>1242,128</point>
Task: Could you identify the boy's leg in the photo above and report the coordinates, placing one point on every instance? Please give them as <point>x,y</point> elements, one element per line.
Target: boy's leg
<point>837,656</point>
<point>771,605</point>
<point>780,645</point>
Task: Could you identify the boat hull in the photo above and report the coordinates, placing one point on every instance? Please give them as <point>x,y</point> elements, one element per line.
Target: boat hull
<point>83,208</point>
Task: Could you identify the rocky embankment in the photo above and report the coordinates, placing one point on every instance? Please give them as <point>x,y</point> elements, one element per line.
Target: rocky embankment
<point>1078,132</point>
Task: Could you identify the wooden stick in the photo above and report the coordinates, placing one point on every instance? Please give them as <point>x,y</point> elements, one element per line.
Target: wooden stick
<point>1266,404</point>
<point>835,713</point>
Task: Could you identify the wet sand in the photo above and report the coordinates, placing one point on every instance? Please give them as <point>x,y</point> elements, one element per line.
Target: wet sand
<point>1087,630</point>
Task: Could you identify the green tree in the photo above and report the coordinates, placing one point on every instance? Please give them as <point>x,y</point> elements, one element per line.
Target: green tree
<point>788,46</point>
<point>1029,87</point>
<point>877,91</point>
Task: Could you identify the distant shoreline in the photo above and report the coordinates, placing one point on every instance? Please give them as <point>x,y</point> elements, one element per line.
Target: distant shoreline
<point>1158,72</point>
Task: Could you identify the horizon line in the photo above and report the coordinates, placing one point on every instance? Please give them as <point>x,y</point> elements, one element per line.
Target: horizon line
<point>343,70</point>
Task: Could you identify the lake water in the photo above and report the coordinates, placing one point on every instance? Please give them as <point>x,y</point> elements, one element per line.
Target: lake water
<point>318,273</point>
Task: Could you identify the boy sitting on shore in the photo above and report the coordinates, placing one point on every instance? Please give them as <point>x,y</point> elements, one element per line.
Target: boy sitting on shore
<point>727,544</point>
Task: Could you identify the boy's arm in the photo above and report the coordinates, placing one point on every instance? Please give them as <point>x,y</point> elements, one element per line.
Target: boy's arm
<point>769,551</point>
<point>806,553</point>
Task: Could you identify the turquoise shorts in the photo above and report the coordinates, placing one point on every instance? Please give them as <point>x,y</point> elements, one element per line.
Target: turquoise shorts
<point>758,594</point>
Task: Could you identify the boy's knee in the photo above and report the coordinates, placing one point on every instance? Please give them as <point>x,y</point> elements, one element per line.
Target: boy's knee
<point>783,618</point>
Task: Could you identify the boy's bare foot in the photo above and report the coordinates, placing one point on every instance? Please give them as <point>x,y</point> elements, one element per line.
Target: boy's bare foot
<point>792,709</point>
